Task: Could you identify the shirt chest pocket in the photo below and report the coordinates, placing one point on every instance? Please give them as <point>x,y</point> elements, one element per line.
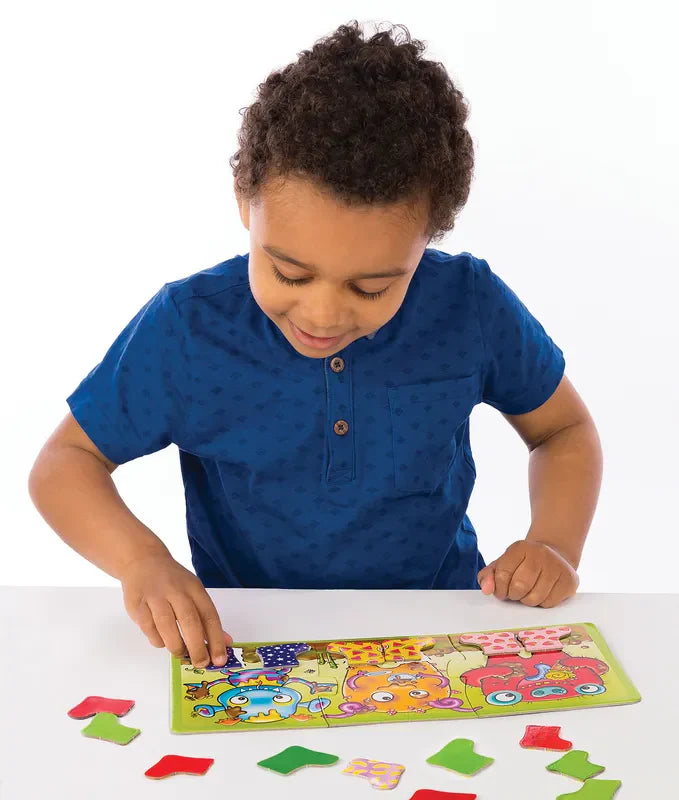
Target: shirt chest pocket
<point>425,418</point>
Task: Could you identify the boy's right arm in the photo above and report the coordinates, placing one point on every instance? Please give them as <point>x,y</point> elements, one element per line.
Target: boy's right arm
<point>72,488</point>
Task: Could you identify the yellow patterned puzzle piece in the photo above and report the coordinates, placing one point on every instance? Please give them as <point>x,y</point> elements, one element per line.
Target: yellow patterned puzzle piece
<point>380,774</point>
<point>358,652</point>
<point>409,649</point>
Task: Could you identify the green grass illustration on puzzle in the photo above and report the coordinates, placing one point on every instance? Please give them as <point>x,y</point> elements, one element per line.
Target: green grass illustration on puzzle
<point>399,679</point>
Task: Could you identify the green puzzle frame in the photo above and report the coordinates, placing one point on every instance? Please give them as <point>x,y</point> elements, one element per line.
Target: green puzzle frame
<point>475,696</point>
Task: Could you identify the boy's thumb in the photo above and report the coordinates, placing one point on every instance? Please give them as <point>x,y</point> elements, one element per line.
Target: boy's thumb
<point>227,638</point>
<point>486,578</point>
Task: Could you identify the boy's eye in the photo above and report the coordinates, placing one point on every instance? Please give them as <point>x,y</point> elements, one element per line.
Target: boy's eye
<point>300,281</point>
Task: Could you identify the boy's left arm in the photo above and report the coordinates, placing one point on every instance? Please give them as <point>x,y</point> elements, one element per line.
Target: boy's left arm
<point>565,467</point>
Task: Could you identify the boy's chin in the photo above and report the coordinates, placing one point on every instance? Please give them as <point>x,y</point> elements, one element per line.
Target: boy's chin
<point>310,352</point>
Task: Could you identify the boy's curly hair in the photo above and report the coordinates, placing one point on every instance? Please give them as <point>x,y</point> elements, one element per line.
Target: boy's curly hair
<point>369,122</point>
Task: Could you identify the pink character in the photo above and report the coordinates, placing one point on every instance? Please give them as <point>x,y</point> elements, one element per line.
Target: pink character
<point>508,680</point>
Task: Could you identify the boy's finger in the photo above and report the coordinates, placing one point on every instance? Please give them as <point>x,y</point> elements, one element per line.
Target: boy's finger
<point>525,577</point>
<point>556,595</point>
<point>216,643</point>
<point>486,580</point>
<point>504,571</point>
<point>144,620</point>
<point>541,590</point>
<point>165,621</point>
<point>193,631</point>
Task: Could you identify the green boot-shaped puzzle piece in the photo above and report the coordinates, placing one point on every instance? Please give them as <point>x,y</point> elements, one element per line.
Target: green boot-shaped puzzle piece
<point>593,790</point>
<point>296,757</point>
<point>107,726</point>
<point>576,764</point>
<point>459,756</point>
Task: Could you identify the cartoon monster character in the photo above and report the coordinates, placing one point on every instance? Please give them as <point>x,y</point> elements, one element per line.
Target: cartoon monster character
<point>258,696</point>
<point>378,678</point>
<point>508,680</point>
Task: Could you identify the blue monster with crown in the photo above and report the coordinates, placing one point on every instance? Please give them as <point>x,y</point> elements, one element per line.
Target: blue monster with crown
<point>260,695</point>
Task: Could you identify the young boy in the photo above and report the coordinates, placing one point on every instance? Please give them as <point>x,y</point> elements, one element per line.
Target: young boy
<point>319,388</point>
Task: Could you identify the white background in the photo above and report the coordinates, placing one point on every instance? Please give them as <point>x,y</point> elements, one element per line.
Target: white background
<point>119,119</point>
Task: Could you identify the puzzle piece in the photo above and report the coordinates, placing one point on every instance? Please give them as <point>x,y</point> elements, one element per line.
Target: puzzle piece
<point>406,649</point>
<point>232,661</point>
<point>544,737</point>
<point>593,790</point>
<point>576,764</point>
<point>106,726</point>
<point>357,652</point>
<point>380,774</point>
<point>433,794</point>
<point>281,655</point>
<point>544,640</point>
<point>94,704</point>
<point>459,756</point>
<point>295,757</point>
<point>173,765</point>
<point>497,643</point>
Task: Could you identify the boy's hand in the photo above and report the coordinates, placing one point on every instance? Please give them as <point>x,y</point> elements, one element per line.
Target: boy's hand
<point>531,572</point>
<point>158,593</point>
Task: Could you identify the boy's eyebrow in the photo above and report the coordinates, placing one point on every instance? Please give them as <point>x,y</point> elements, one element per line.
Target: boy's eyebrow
<point>276,253</point>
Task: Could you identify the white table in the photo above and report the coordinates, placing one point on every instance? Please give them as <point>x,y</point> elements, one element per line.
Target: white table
<point>61,644</point>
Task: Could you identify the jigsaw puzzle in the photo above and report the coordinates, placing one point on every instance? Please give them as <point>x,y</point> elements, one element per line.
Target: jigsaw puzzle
<point>398,679</point>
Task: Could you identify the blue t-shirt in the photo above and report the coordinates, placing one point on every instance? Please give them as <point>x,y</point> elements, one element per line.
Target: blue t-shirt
<point>352,471</point>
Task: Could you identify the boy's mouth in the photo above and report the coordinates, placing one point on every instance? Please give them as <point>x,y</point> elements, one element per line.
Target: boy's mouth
<point>320,343</point>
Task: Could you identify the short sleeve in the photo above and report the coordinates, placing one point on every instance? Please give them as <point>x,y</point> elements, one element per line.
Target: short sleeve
<point>523,366</point>
<point>128,404</point>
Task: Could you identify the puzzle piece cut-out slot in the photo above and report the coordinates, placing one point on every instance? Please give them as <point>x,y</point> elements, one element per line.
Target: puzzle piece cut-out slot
<point>107,727</point>
<point>496,643</point>
<point>459,756</point>
<point>576,764</point>
<point>544,737</point>
<point>379,774</point>
<point>94,704</point>
<point>593,790</point>
<point>434,794</point>
<point>295,757</point>
<point>175,765</point>
<point>544,640</point>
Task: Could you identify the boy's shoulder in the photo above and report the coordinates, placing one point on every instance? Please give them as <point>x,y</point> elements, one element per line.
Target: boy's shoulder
<point>223,277</point>
<point>444,273</point>
<point>454,263</point>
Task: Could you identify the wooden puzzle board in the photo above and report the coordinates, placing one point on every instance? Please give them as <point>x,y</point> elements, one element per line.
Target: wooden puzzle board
<point>273,685</point>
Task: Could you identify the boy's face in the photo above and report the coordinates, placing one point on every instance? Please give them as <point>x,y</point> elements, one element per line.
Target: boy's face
<point>342,245</point>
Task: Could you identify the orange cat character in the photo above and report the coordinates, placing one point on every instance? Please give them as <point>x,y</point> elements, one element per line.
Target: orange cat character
<point>378,680</point>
